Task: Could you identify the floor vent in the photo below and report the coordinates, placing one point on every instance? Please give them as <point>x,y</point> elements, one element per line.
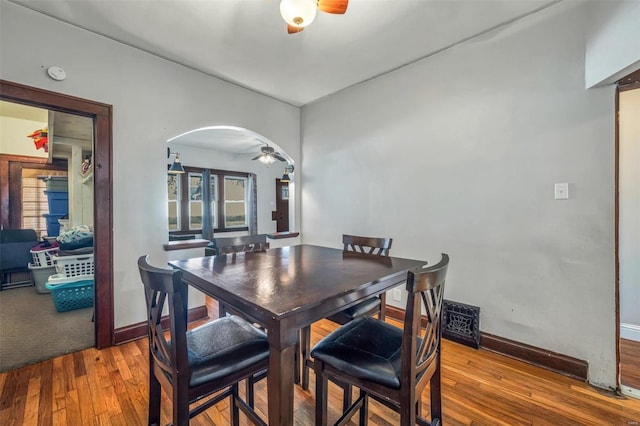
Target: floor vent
<point>461,323</point>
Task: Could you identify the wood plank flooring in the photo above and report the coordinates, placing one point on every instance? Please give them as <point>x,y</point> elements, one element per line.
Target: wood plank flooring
<point>630,363</point>
<point>109,387</point>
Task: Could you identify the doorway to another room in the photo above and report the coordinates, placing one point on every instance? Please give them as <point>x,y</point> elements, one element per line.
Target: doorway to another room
<point>282,206</point>
<point>46,304</point>
<point>628,232</point>
<point>100,117</point>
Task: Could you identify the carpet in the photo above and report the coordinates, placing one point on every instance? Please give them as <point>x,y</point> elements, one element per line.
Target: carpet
<point>32,330</point>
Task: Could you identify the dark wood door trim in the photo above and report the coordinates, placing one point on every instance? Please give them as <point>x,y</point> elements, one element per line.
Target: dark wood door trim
<point>102,115</point>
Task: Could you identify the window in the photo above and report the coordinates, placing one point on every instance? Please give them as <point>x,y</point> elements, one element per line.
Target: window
<point>235,202</point>
<point>34,204</point>
<point>195,201</point>
<point>173,187</point>
<point>224,202</point>
<point>33,198</point>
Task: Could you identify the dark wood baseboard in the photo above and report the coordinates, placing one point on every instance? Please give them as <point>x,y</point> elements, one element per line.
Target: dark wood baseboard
<point>563,364</point>
<point>136,331</point>
<point>569,366</point>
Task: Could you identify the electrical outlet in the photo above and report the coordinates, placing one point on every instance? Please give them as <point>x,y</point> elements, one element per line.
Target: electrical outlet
<point>561,191</point>
<point>397,294</point>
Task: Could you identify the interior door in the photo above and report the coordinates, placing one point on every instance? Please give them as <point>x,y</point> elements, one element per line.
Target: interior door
<point>282,206</point>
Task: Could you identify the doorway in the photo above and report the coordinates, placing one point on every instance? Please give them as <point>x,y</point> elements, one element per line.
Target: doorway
<point>628,231</point>
<point>101,114</point>
<point>282,206</point>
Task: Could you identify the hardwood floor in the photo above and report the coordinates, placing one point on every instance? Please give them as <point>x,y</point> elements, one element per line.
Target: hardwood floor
<point>630,363</point>
<point>109,387</point>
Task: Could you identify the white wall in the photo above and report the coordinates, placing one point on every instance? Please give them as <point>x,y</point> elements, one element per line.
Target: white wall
<point>459,154</point>
<point>629,211</point>
<point>14,140</point>
<point>613,43</point>
<point>152,100</point>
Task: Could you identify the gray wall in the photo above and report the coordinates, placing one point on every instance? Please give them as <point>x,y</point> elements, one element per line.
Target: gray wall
<point>459,153</point>
<point>612,42</point>
<point>153,100</point>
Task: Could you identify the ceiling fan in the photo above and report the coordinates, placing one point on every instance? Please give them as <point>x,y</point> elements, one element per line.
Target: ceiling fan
<point>268,155</point>
<point>300,13</point>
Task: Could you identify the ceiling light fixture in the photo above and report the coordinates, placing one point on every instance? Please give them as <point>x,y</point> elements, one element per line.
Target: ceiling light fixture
<point>176,167</point>
<point>268,155</point>
<point>266,159</point>
<point>298,14</point>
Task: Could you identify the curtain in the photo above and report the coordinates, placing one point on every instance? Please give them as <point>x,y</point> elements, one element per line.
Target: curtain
<point>207,225</point>
<point>252,207</point>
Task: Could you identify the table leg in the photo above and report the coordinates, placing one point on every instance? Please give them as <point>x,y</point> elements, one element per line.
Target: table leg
<point>280,385</point>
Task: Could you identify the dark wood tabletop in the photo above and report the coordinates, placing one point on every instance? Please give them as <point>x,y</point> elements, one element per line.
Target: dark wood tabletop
<point>285,289</point>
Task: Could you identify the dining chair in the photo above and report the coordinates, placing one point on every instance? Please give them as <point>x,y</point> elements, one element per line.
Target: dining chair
<point>244,244</point>
<point>196,364</point>
<point>233,245</point>
<point>230,245</point>
<point>366,246</point>
<point>389,364</point>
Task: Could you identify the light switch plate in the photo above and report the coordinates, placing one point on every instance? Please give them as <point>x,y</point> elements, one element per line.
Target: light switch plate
<point>397,294</point>
<point>561,191</point>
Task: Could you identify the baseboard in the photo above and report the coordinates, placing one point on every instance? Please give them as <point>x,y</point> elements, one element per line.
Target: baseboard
<point>136,331</point>
<point>563,364</point>
<point>629,391</point>
<point>630,332</point>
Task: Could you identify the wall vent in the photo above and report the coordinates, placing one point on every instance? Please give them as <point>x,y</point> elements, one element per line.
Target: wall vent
<point>461,323</point>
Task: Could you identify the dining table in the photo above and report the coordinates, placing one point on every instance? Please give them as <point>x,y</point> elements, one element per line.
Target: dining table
<point>288,288</point>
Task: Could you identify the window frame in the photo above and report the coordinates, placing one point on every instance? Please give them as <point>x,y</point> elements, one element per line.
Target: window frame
<point>216,200</point>
<point>245,201</point>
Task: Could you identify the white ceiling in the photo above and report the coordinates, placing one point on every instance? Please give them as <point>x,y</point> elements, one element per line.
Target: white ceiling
<point>230,139</point>
<point>246,42</point>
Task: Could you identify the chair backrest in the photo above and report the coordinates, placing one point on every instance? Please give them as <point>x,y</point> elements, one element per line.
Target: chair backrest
<point>421,340</point>
<point>367,245</point>
<point>164,287</point>
<point>247,243</point>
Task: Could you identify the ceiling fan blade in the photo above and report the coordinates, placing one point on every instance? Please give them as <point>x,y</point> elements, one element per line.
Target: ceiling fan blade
<point>278,157</point>
<point>255,158</point>
<point>292,30</point>
<point>333,6</point>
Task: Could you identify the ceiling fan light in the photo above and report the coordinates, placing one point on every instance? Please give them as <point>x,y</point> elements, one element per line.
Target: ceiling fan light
<point>266,159</point>
<point>298,13</point>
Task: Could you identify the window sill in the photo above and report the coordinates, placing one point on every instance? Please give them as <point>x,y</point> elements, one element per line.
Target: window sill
<point>186,244</point>
<point>282,235</point>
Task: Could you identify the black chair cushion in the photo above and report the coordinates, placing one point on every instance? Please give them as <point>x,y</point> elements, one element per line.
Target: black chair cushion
<point>365,348</point>
<point>223,347</point>
<point>361,309</point>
